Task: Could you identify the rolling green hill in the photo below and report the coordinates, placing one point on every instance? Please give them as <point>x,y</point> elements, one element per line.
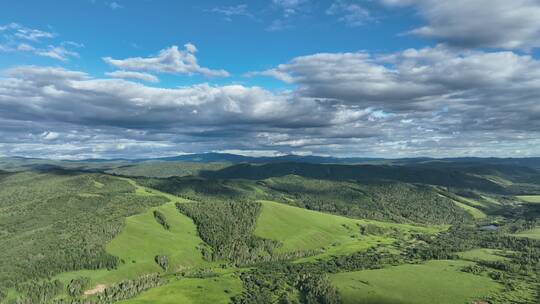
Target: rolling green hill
<point>60,221</point>
<point>300,230</point>
<point>218,290</point>
<point>434,282</point>
<point>530,198</point>
<point>70,237</point>
<point>368,173</point>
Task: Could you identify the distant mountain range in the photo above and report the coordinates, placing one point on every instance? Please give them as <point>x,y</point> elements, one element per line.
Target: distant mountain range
<point>234,158</point>
<point>210,157</point>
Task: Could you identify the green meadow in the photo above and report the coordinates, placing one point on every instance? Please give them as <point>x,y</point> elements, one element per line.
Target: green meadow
<point>300,229</point>
<point>142,238</point>
<point>470,207</point>
<point>483,254</point>
<point>439,282</point>
<point>215,290</point>
<point>534,199</point>
<point>532,233</point>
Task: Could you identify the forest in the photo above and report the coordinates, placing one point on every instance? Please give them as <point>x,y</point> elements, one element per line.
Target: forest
<point>58,223</point>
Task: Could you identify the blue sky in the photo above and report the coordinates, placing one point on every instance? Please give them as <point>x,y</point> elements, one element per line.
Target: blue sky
<point>238,43</point>
<point>391,78</point>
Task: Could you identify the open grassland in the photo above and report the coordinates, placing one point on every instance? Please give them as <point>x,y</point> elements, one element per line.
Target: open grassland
<point>60,221</point>
<point>483,254</point>
<point>142,238</point>
<point>300,229</point>
<point>215,290</point>
<point>532,233</point>
<point>534,199</point>
<point>165,169</point>
<point>439,282</point>
<point>470,206</point>
<point>476,213</point>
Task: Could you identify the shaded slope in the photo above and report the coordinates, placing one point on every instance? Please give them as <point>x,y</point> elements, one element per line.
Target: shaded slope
<point>367,173</point>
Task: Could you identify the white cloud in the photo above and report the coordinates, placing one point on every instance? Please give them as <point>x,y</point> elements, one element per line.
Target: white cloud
<point>133,75</point>
<point>232,11</point>
<point>50,135</point>
<point>481,23</point>
<point>56,52</point>
<point>170,60</point>
<point>18,38</point>
<point>275,73</point>
<point>423,79</point>
<point>114,5</point>
<point>350,13</point>
<point>253,153</point>
<point>430,101</point>
<point>289,7</point>
<point>26,33</point>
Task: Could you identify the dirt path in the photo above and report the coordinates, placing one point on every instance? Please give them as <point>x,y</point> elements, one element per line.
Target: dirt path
<point>98,289</point>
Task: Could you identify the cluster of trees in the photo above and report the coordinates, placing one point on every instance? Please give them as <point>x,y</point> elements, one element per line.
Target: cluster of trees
<point>86,209</point>
<point>162,261</point>
<point>227,226</point>
<point>200,189</point>
<point>317,289</point>
<point>124,290</point>
<point>519,273</point>
<point>287,282</point>
<point>77,286</point>
<point>129,288</point>
<point>160,218</point>
<point>35,292</point>
<point>390,201</point>
<point>306,282</point>
<point>384,200</point>
<point>271,282</point>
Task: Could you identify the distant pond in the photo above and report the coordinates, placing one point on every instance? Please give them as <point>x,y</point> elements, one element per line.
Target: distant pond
<point>489,227</point>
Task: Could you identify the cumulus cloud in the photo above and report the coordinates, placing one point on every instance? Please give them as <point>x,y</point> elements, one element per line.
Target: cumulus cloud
<point>133,75</point>
<point>416,79</point>
<point>170,60</point>
<point>480,23</point>
<point>491,110</point>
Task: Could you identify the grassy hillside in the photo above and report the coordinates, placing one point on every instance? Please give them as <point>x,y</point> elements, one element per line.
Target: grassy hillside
<point>532,233</point>
<point>530,198</point>
<point>385,238</point>
<point>369,173</point>
<point>388,201</point>
<point>60,221</point>
<point>216,290</point>
<point>474,212</point>
<point>434,282</point>
<point>483,254</point>
<point>143,238</point>
<point>165,169</point>
<point>298,229</point>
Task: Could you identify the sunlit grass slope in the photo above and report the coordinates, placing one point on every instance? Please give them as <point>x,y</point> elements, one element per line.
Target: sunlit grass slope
<point>439,282</point>
<point>483,254</point>
<point>217,290</point>
<point>300,229</point>
<point>142,238</point>
<point>470,207</point>
<point>535,199</point>
<point>532,233</point>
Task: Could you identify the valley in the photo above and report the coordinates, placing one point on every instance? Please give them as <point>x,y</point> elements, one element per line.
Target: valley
<point>297,238</point>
